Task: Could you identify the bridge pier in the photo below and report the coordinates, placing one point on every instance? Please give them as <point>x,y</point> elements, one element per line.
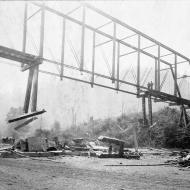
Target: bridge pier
<point>32,84</point>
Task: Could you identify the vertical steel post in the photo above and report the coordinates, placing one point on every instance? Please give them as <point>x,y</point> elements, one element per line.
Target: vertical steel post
<point>31,71</point>
<point>175,79</point>
<point>156,76</point>
<point>28,91</point>
<point>62,50</point>
<point>118,62</point>
<point>82,40</point>
<point>93,58</point>
<point>113,55</point>
<point>36,69</point>
<point>25,29</point>
<point>138,66</point>
<point>158,70</point>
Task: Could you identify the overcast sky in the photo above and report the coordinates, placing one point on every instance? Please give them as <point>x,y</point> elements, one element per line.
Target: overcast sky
<point>166,21</point>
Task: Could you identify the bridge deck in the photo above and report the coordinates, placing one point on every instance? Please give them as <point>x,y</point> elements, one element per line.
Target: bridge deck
<point>168,97</point>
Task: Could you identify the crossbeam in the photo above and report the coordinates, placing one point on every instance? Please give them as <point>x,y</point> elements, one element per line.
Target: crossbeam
<point>18,56</point>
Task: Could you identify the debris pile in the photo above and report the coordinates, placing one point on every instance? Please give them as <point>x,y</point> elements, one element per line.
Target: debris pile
<point>103,147</point>
<point>184,159</point>
<point>116,149</point>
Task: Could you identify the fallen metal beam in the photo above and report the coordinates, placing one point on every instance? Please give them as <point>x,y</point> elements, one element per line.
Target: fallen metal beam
<point>25,123</point>
<point>27,116</point>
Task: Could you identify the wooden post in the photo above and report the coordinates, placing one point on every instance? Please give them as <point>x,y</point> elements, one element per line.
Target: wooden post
<point>144,110</point>
<point>150,109</point>
<point>150,103</point>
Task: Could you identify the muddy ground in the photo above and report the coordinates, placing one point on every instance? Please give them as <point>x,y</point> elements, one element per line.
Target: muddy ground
<point>83,173</point>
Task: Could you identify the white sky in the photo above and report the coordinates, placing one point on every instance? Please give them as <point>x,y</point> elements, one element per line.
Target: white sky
<point>166,21</point>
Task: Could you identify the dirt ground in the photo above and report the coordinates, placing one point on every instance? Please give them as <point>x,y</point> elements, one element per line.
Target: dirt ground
<point>83,173</point>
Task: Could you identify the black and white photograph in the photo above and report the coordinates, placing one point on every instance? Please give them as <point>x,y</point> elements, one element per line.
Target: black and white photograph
<point>94,95</point>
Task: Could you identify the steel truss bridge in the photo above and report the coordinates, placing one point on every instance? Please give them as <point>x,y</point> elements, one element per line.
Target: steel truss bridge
<point>98,49</point>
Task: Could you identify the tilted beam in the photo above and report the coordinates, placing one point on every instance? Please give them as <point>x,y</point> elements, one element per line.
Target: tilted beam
<point>25,123</point>
<point>25,116</point>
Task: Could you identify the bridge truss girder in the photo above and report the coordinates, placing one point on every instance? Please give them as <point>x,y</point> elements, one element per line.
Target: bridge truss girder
<point>116,44</point>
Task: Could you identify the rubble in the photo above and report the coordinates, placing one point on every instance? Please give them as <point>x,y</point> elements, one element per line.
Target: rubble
<point>184,160</point>
<point>120,151</point>
<point>104,147</point>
